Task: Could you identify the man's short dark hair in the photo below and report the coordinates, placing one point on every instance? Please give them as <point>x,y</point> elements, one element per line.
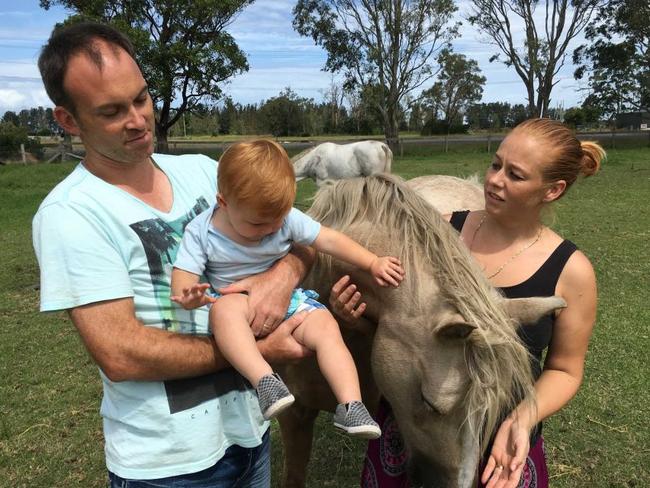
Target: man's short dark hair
<point>68,41</point>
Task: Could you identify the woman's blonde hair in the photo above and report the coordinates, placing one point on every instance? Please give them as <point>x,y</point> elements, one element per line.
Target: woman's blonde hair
<point>259,175</point>
<point>568,157</point>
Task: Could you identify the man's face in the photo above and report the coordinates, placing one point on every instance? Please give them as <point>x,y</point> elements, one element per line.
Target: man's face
<point>113,110</point>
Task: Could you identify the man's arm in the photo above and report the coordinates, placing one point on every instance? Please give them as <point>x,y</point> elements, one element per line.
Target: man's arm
<point>125,349</point>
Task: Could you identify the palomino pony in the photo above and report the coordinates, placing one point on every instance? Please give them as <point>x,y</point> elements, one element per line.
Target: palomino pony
<point>448,193</point>
<point>329,161</point>
<point>440,348</point>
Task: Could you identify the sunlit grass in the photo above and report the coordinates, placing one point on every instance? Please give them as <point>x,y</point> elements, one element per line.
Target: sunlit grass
<point>50,429</point>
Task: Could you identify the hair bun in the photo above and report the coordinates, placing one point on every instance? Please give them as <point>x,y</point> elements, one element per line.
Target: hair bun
<point>593,155</point>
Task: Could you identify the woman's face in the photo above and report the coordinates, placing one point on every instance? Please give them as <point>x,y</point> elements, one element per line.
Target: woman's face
<point>513,182</point>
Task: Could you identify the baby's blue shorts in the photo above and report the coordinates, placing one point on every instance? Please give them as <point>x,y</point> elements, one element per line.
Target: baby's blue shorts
<point>303,300</point>
<point>300,300</point>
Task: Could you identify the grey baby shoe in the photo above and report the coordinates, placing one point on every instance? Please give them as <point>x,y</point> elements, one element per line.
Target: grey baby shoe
<point>273,395</point>
<point>354,419</point>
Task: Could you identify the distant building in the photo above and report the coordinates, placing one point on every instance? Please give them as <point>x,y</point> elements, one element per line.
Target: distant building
<point>633,121</point>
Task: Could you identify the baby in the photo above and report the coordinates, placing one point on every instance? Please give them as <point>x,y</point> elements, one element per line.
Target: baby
<point>251,226</point>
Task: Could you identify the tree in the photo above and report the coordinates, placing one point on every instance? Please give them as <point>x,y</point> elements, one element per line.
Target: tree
<point>545,42</point>
<point>333,98</point>
<point>416,117</point>
<point>493,115</point>
<point>459,84</point>
<point>11,117</point>
<point>617,58</point>
<point>574,117</point>
<point>383,43</point>
<point>518,113</point>
<point>284,115</point>
<point>182,47</point>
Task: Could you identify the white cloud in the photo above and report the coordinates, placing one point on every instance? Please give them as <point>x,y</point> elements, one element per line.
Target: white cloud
<point>277,55</point>
<point>261,84</point>
<point>21,86</point>
<point>25,96</point>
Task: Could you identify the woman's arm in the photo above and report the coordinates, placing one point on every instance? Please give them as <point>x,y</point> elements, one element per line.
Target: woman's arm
<point>564,365</point>
<point>561,378</point>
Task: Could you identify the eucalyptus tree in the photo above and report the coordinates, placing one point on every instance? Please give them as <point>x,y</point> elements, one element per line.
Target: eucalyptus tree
<point>183,48</point>
<point>388,44</point>
<point>534,37</point>
<point>616,57</point>
<point>460,84</point>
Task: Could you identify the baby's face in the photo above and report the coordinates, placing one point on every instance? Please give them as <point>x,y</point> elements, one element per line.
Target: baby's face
<point>251,225</point>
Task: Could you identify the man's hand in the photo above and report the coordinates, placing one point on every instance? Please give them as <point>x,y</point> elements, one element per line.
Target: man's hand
<point>194,296</point>
<point>280,346</point>
<point>387,271</point>
<point>268,300</point>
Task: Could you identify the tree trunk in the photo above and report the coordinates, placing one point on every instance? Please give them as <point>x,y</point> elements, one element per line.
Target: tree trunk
<point>391,131</point>
<point>67,143</point>
<point>392,138</point>
<point>162,145</point>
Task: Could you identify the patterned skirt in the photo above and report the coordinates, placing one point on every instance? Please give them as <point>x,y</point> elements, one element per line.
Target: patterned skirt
<point>386,458</point>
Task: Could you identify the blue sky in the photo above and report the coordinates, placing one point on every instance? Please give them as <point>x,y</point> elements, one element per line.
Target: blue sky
<point>277,55</point>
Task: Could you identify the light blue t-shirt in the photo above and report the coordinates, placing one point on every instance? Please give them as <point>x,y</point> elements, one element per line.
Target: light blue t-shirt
<point>207,251</point>
<point>96,242</point>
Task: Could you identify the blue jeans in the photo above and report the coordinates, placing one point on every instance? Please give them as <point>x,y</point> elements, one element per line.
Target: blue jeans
<point>240,467</point>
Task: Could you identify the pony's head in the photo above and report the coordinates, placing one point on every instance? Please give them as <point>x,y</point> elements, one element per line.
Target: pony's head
<point>446,354</point>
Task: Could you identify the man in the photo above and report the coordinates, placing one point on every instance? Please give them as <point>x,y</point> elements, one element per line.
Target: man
<point>106,238</point>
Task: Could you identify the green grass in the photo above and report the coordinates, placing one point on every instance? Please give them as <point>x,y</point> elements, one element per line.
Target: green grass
<point>50,430</point>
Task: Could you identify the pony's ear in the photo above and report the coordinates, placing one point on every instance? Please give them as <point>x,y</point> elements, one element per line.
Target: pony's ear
<point>455,330</point>
<point>530,310</point>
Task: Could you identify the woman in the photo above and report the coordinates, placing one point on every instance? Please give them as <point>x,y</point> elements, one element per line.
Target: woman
<point>534,166</point>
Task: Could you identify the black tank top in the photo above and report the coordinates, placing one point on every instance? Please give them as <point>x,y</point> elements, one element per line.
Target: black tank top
<point>542,283</point>
<point>536,337</point>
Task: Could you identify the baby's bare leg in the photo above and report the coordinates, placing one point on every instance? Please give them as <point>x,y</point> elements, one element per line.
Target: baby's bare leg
<point>320,333</point>
<point>235,339</point>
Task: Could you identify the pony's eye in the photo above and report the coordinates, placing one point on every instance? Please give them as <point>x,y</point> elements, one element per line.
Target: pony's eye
<point>429,406</point>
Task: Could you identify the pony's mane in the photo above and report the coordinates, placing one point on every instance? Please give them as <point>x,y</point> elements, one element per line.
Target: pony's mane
<point>302,154</point>
<point>498,364</point>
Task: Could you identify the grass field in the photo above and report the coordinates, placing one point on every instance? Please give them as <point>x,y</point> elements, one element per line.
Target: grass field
<point>50,430</point>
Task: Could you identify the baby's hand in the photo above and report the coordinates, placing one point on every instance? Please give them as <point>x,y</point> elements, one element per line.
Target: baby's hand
<point>194,296</point>
<point>387,270</point>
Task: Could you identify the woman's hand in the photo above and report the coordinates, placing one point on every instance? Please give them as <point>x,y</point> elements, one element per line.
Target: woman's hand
<point>344,300</point>
<point>508,455</point>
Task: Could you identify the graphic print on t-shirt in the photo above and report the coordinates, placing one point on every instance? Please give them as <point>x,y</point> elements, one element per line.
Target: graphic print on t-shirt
<point>160,241</point>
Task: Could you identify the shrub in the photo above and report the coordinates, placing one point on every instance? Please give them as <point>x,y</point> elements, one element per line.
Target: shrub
<point>11,137</point>
<point>439,127</point>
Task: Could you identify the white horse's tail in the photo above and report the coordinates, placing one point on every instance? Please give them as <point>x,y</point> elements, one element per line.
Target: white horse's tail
<point>388,154</point>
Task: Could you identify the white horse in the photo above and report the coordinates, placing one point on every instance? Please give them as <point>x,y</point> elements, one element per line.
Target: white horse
<point>329,161</point>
